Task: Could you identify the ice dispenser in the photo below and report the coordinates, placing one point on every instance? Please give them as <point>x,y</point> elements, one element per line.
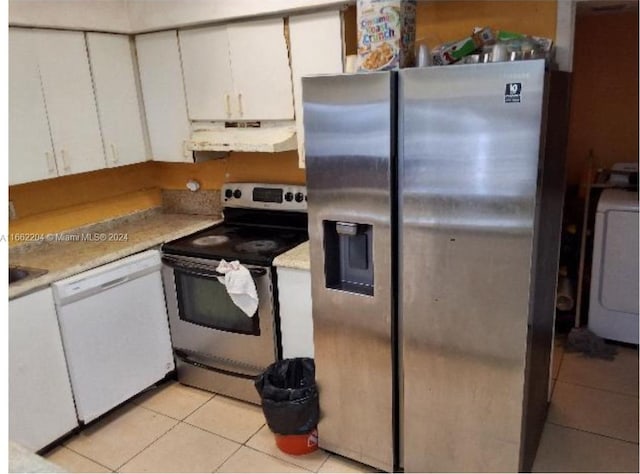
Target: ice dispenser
<point>348,257</point>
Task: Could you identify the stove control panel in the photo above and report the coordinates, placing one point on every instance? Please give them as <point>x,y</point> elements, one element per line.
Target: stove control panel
<point>283,197</point>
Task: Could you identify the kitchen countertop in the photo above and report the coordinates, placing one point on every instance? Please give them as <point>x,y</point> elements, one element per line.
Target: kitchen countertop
<point>297,257</point>
<point>64,257</point>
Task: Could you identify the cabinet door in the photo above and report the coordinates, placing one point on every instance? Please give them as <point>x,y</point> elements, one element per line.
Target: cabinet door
<point>260,68</point>
<point>207,73</point>
<point>41,405</point>
<point>68,92</point>
<point>163,94</point>
<point>30,150</point>
<point>316,48</point>
<point>296,321</point>
<point>113,70</point>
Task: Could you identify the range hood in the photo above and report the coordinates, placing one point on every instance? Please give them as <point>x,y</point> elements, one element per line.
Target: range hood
<point>243,136</point>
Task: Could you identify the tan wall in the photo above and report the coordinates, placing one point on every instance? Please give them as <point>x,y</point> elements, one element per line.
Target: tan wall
<point>604,100</point>
<point>54,205</point>
<point>438,22</point>
<point>68,191</point>
<point>443,21</point>
<point>59,204</point>
<point>66,218</point>
<point>258,167</point>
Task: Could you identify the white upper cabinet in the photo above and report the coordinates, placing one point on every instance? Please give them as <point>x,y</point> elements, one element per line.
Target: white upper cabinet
<point>316,48</point>
<point>237,72</point>
<point>163,94</point>
<point>260,67</point>
<point>113,69</point>
<point>30,150</point>
<point>71,107</point>
<point>207,72</point>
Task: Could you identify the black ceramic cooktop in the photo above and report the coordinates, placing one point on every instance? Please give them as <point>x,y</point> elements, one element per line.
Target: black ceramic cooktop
<point>255,241</point>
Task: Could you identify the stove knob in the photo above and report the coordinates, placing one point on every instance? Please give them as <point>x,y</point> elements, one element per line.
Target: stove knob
<point>299,197</point>
<point>237,194</point>
<point>228,193</point>
<point>288,197</point>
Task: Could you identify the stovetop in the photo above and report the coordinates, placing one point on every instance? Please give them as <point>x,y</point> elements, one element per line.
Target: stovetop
<point>261,221</point>
<point>252,237</point>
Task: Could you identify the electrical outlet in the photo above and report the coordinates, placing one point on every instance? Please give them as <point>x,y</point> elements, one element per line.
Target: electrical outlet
<point>12,211</point>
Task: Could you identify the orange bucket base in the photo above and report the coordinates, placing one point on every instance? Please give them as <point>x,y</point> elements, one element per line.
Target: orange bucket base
<point>297,444</point>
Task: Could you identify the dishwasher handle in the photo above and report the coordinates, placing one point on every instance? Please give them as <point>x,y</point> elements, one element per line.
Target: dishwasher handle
<point>116,282</point>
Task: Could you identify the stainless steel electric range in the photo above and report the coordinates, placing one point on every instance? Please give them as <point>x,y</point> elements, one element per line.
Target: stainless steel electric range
<point>218,347</point>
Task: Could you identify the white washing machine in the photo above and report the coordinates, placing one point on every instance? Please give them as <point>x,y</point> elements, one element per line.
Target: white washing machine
<point>613,306</point>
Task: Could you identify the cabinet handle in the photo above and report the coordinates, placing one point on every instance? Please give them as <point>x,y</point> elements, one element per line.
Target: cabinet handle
<point>240,104</point>
<point>227,105</point>
<point>51,164</point>
<point>114,154</point>
<point>65,162</point>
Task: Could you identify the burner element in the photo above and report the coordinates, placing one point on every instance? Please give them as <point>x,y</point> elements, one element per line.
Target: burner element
<point>210,240</point>
<point>262,245</point>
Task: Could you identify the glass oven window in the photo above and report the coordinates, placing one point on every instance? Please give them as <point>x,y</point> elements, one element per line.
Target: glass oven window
<point>205,301</point>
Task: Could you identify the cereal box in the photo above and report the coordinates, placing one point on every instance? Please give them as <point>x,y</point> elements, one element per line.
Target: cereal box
<point>386,33</point>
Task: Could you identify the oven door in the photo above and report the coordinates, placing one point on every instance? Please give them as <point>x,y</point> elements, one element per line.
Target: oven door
<point>207,328</point>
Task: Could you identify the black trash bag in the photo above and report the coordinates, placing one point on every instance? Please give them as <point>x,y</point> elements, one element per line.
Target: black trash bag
<point>290,396</point>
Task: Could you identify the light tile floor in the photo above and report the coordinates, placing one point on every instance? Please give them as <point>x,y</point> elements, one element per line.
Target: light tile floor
<point>592,427</point>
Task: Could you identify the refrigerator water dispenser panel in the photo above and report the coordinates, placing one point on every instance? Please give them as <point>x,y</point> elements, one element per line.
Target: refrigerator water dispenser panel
<point>348,257</point>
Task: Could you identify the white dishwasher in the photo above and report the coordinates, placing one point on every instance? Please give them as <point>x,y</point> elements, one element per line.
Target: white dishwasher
<point>115,332</point>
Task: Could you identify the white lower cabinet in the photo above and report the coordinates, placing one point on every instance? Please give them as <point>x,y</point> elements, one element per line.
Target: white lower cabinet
<point>296,322</point>
<point>41,407</point>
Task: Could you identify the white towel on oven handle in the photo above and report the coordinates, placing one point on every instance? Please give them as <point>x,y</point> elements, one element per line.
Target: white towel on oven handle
<point>240,286</point>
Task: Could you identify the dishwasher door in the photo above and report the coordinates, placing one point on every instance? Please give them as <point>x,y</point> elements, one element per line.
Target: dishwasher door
<point>115,332</point>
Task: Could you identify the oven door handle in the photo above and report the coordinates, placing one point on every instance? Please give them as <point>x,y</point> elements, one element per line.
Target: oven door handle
<point>203,270</point>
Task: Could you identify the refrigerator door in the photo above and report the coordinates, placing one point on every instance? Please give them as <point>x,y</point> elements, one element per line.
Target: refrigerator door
<point>350,149</point>
<point>468,157</point>
<point>546,255</point>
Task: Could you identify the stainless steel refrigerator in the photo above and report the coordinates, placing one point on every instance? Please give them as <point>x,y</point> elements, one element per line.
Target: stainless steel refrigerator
<point>435,199</point>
